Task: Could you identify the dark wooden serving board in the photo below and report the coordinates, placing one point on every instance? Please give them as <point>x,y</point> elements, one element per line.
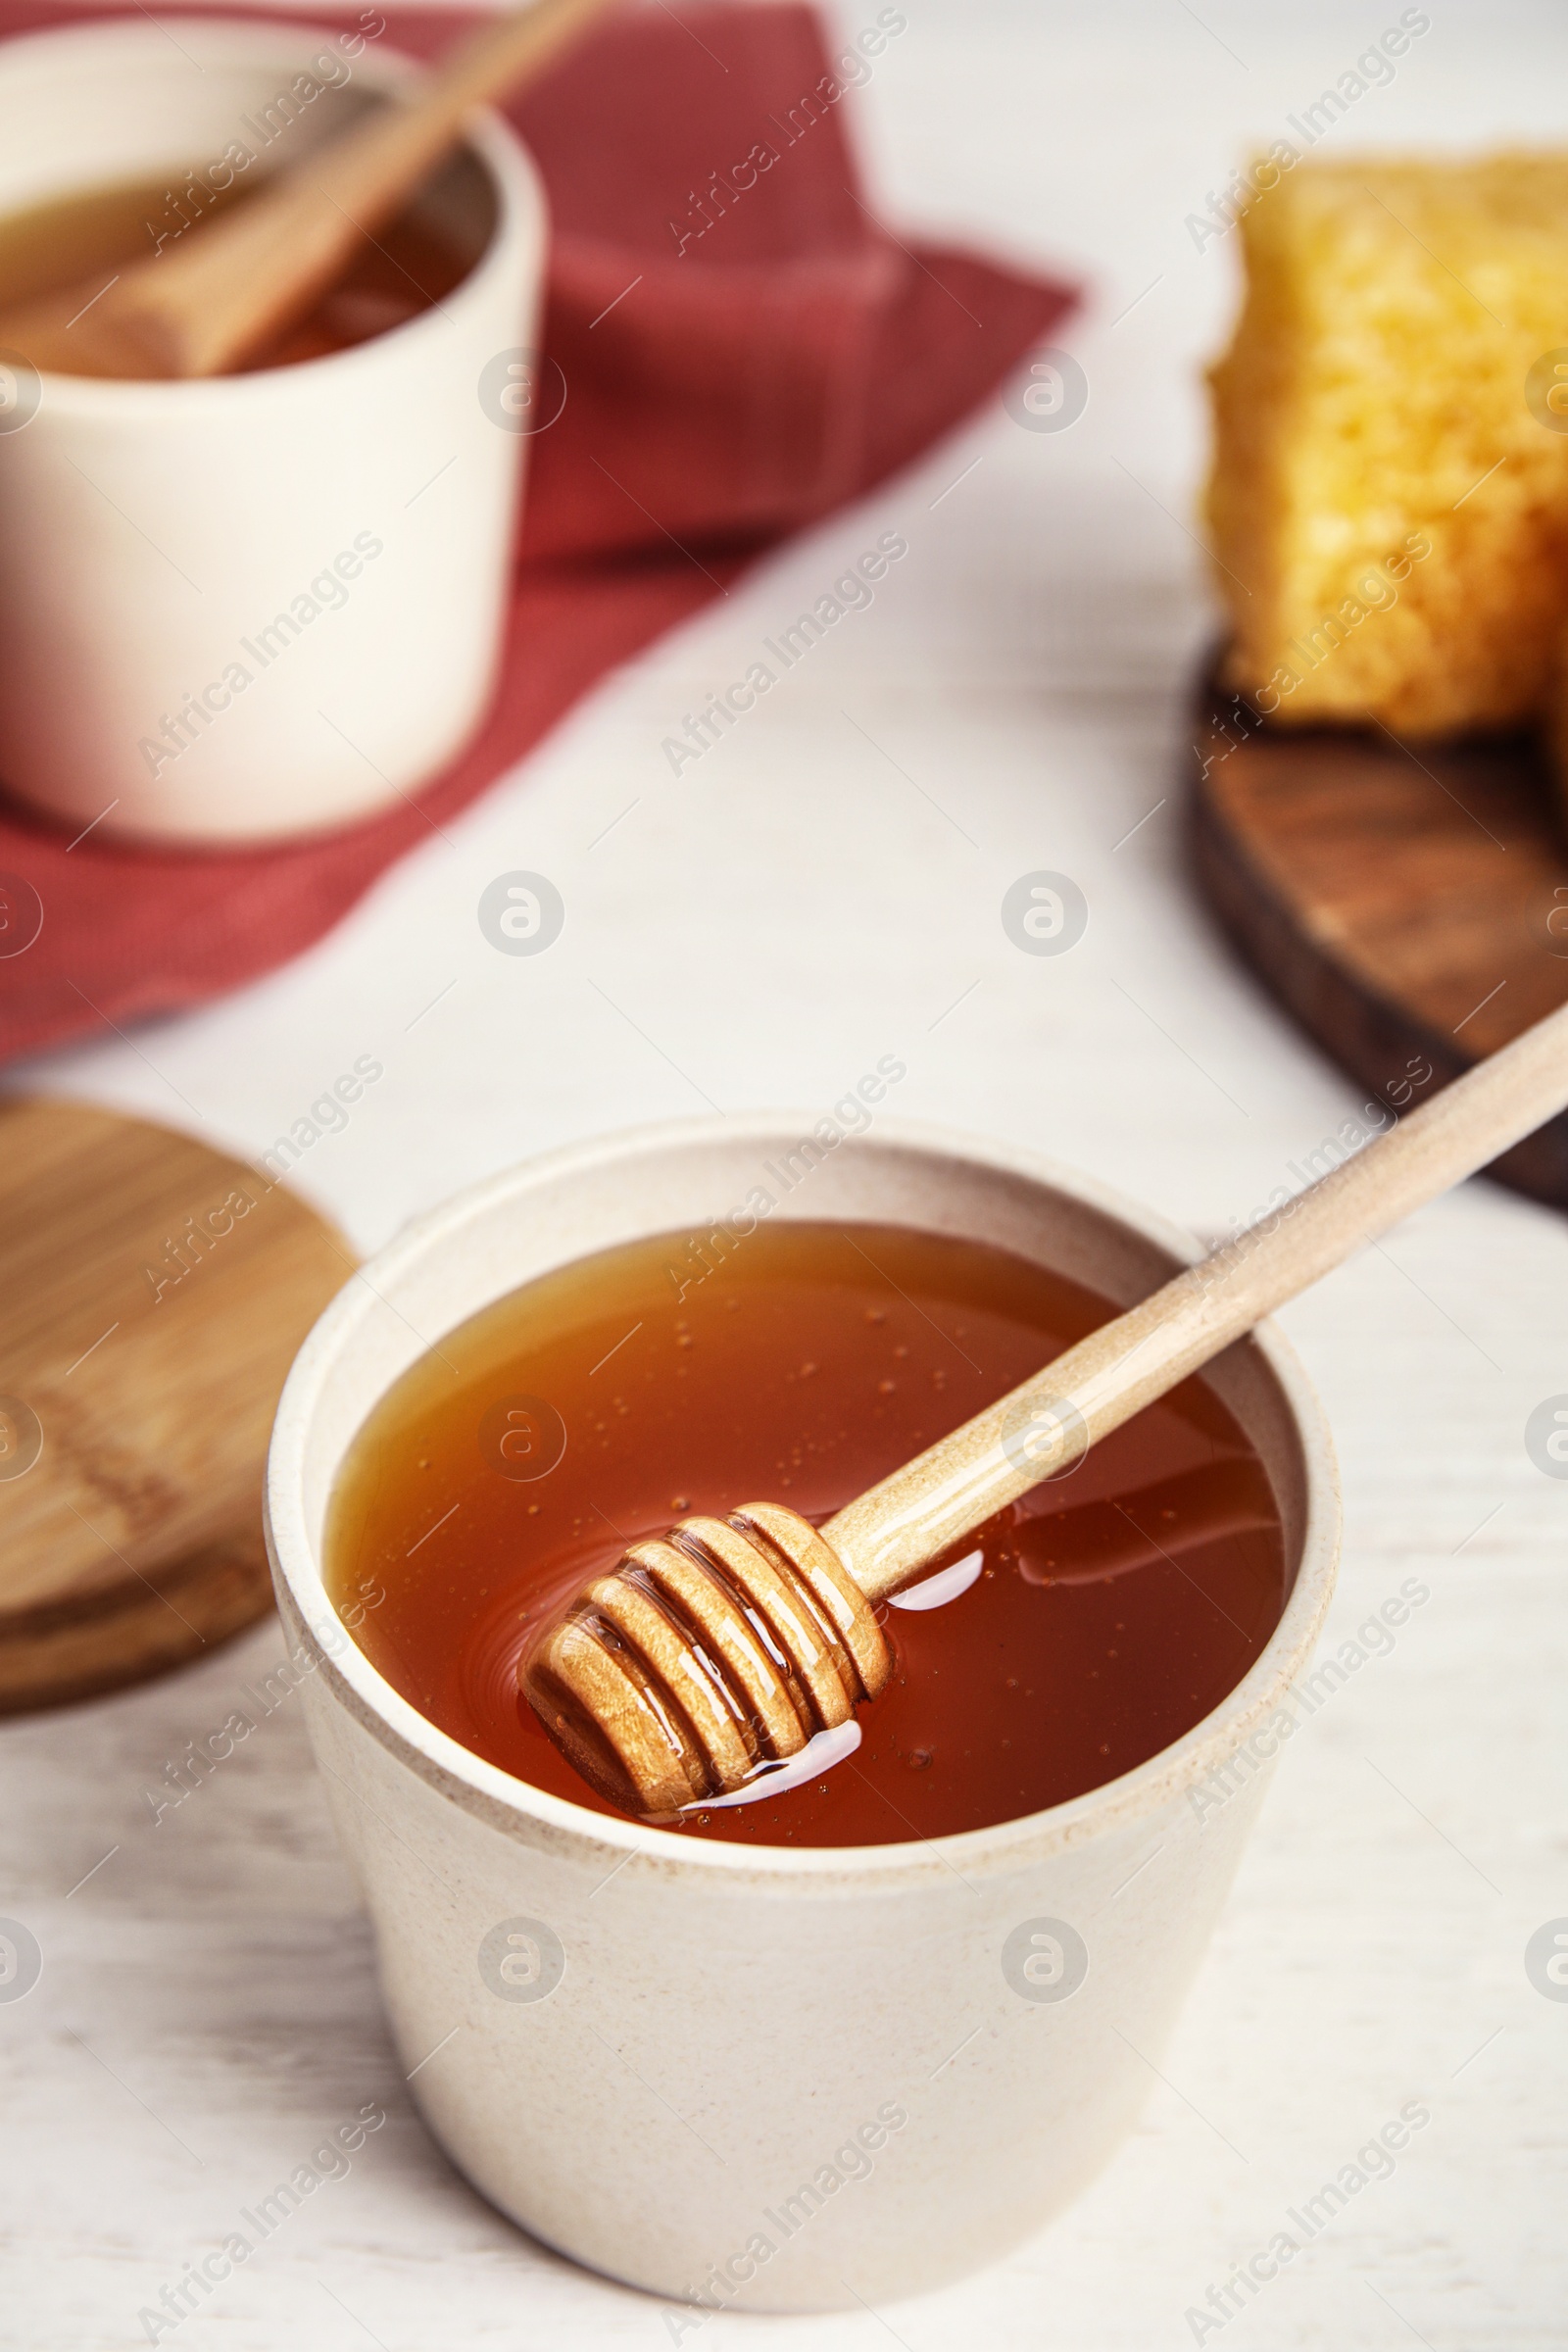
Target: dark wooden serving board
<point>1403,901</point>
<point>146,1323</point>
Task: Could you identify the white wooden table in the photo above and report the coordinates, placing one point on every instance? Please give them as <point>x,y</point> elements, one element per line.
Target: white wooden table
<point>798,903</point>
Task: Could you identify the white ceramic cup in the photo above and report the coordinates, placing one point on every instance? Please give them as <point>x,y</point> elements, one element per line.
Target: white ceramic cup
<point>304,569</point>
<point>773,2079</point>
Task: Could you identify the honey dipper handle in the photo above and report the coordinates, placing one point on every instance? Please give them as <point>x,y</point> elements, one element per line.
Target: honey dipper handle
<point>1043,1426</point>
<point>204,308</point>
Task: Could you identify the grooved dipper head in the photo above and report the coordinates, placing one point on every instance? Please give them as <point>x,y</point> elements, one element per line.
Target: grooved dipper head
<point>705,1656</point>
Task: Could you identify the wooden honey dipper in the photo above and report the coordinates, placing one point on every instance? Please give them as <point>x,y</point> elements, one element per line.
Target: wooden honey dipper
<point>202,309</point>
<point>710,1654</point>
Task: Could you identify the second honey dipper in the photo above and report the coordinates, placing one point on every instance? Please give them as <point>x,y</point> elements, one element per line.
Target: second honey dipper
<point>204,308</point>
<point>713,1653</point>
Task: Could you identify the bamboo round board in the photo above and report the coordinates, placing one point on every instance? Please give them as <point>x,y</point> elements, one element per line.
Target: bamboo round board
<point>1405,903</point>
<point>152,1295</point>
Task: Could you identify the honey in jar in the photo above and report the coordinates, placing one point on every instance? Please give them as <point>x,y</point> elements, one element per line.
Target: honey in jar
<point>1111,1610</point>
<point>406,267</point>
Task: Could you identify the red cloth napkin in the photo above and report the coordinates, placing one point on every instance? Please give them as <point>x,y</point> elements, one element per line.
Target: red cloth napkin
<point>750,377</point>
